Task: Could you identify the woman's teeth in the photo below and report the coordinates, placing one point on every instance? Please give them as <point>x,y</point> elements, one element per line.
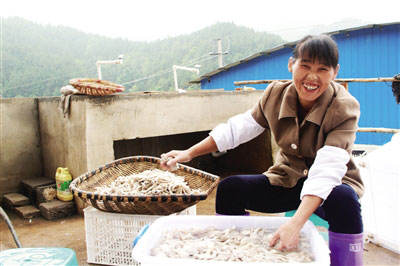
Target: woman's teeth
<point>311,87</point>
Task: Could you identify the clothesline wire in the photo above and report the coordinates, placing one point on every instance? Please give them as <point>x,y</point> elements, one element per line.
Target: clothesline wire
<point>165,71</point>
<point>66,77</point>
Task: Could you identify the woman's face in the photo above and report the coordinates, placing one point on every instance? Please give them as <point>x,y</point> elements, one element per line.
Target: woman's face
<point>311,79</point>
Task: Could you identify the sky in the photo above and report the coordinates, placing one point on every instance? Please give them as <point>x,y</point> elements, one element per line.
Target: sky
<point>148,20</point>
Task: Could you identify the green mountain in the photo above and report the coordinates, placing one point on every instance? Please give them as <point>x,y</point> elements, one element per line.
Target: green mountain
<point>37,60</point>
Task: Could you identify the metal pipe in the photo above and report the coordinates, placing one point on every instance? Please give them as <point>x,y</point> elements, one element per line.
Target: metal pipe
<point>175,67</point>
<point>104,62</point>
<point>9,224</point>
<point>220,63</point>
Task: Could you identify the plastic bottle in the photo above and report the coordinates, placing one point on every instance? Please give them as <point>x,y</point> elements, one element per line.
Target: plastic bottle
<point>63,179</point>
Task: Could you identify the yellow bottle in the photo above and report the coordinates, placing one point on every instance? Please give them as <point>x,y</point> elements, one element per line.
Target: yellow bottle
<point>63,179</point>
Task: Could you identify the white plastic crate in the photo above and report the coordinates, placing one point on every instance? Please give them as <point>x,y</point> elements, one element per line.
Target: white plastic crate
<point>142,250</point>
<point>109,236</point>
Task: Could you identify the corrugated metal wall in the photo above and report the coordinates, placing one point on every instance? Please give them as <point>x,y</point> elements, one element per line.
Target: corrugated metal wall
<point>272,66</point>
<point>364,53</point>
<point>371,53</point>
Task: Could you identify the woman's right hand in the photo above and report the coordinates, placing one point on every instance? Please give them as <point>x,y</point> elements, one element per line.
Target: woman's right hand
<point>169,159</point>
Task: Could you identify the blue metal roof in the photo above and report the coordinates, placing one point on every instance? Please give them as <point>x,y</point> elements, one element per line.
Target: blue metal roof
<point>366,52</point>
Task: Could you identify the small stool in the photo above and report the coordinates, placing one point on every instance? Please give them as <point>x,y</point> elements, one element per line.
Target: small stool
<point>38,256</point>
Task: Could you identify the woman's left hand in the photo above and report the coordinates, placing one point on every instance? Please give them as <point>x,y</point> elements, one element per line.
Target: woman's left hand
<point>286,238</point>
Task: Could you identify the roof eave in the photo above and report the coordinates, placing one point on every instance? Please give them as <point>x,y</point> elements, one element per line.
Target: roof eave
<point>282,46</point>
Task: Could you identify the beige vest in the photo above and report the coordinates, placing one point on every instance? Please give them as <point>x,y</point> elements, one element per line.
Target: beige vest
<point>331,121</point>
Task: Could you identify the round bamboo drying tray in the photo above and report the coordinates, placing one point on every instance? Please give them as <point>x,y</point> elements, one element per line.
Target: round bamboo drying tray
<point>85,187</point>
<point>96,87</point>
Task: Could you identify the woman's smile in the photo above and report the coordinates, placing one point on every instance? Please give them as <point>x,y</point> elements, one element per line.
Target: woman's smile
<point>310,86</point>
<point>311,79</point>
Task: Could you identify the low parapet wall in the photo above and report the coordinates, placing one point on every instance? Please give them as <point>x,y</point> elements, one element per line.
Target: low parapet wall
<point>20,152</point>
<point>86,138</point>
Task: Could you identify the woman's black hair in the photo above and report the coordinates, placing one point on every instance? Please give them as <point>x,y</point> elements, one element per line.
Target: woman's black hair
<point>321,47</point>
<point>396,88</point>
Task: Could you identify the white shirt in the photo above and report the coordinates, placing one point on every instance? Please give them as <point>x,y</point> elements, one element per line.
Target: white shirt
<point>328,168</point>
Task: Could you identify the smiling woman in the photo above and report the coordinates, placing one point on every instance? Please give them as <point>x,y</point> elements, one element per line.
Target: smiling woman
<point>314,121</point>
<point>314,66</point>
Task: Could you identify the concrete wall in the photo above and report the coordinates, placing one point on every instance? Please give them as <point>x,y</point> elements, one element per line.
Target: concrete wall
<point>159,114</point>
<point>20,153</point>
<point>86,139</point>
<point>250,158</point>
<point>63,138</point>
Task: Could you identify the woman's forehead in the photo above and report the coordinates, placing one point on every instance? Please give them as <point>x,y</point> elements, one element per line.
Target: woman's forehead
<point>314,55</point>
<point>315,60</point>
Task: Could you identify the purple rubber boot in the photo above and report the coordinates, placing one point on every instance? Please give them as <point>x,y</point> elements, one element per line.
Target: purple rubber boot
<point>346,249</point>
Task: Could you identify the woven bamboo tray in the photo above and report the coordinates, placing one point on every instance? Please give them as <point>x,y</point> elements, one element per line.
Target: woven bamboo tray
<point>96,87</point>
<point>85,186</point>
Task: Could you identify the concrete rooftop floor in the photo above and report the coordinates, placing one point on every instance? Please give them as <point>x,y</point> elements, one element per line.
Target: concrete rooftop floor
<point>70,233</point>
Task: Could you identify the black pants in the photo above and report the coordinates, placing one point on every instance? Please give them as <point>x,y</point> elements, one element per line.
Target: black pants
<point>235,194</point>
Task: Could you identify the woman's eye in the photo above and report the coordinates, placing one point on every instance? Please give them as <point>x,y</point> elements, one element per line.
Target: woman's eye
<point>305,66</point>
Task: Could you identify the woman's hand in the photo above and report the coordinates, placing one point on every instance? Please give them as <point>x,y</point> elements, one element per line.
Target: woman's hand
<point>286,238</point>
<point>169,160</point>
<point>289,232</point>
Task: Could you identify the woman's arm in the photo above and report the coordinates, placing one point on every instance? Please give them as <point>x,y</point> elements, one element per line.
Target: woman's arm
<point>288,233</point>
<point>205,146</point>
<point>327,171</point>
<point>237,130</point>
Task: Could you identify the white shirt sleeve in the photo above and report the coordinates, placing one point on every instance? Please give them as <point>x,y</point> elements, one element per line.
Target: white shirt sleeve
<point>327,171</point>
<point>238,129</point>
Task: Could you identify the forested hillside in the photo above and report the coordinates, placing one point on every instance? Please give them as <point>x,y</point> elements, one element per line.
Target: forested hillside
<point>37,60</point>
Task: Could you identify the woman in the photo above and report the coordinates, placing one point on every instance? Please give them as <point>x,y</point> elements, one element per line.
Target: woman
<point>314,122</point>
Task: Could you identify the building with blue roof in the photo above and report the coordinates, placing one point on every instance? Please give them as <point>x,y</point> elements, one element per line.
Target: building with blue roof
<point>371,51</point>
